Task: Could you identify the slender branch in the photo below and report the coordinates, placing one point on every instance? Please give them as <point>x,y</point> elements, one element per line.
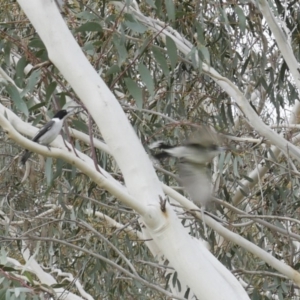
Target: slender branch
<point>257,219</point>
<point>282,42</point>
<point>269,217</point>
<point>109,262</point>
<point>100,236</point>
<point>92,144</point>
<point>235,238</point>
<point>82,162</point>
<point>260,273</point>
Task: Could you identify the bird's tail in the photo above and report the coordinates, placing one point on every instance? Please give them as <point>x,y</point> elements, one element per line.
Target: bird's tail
<point>161,146</point>
<point>25,156</point>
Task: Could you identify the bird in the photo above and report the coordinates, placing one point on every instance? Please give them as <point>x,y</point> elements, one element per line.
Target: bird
<point>48,133</point>
<point>193,157</point>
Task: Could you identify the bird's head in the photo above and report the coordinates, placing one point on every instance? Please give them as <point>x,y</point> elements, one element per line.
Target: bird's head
<point>64,113</point>
<point>202,146</point>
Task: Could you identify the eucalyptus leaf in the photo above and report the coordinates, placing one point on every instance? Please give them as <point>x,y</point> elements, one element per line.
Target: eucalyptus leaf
<point>31,82</point>
<point>50,90</point>
<point>242,18</point>
<point>80,125</point>
<point>136,26</point>
<point>170,9</point>
<point>160,58</point>
<point>135,91</point>
<point>151,3</point>
<point>16,98</point>
<point>146,77</point>
<point>90,26</point>
<point>86,15</point>
<point>37,43</point>
<point>119,44</point>
<point>49,171</point>
<point>235,167</point>
<point>22,63</point>
<point>204,54</point>
<point>172,51</point>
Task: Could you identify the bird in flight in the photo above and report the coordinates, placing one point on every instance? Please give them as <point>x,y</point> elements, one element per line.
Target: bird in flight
<point>193,156</point>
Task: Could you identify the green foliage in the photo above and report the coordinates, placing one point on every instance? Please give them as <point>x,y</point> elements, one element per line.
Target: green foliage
<point>165,95</point>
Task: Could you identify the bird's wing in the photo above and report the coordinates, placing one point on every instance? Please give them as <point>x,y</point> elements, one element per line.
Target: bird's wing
<point>195,179</point>
<point>43,130</point>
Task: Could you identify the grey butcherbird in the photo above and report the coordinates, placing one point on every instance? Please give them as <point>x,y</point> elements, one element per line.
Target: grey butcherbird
<point>194,155</point>
<point>48,133</point>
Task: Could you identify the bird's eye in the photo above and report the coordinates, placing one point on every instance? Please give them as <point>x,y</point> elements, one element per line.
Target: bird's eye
<point>214,147</point>
<point>196,145</point>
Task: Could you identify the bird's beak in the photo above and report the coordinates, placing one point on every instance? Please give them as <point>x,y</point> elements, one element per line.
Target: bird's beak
<point>71,110</point>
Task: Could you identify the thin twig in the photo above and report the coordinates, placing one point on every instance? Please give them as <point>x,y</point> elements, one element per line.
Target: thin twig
<point>92,144</point>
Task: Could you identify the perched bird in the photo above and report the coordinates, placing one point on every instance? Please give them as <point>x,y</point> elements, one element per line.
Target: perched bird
<point>194,155</point>
<point>49,131</point>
